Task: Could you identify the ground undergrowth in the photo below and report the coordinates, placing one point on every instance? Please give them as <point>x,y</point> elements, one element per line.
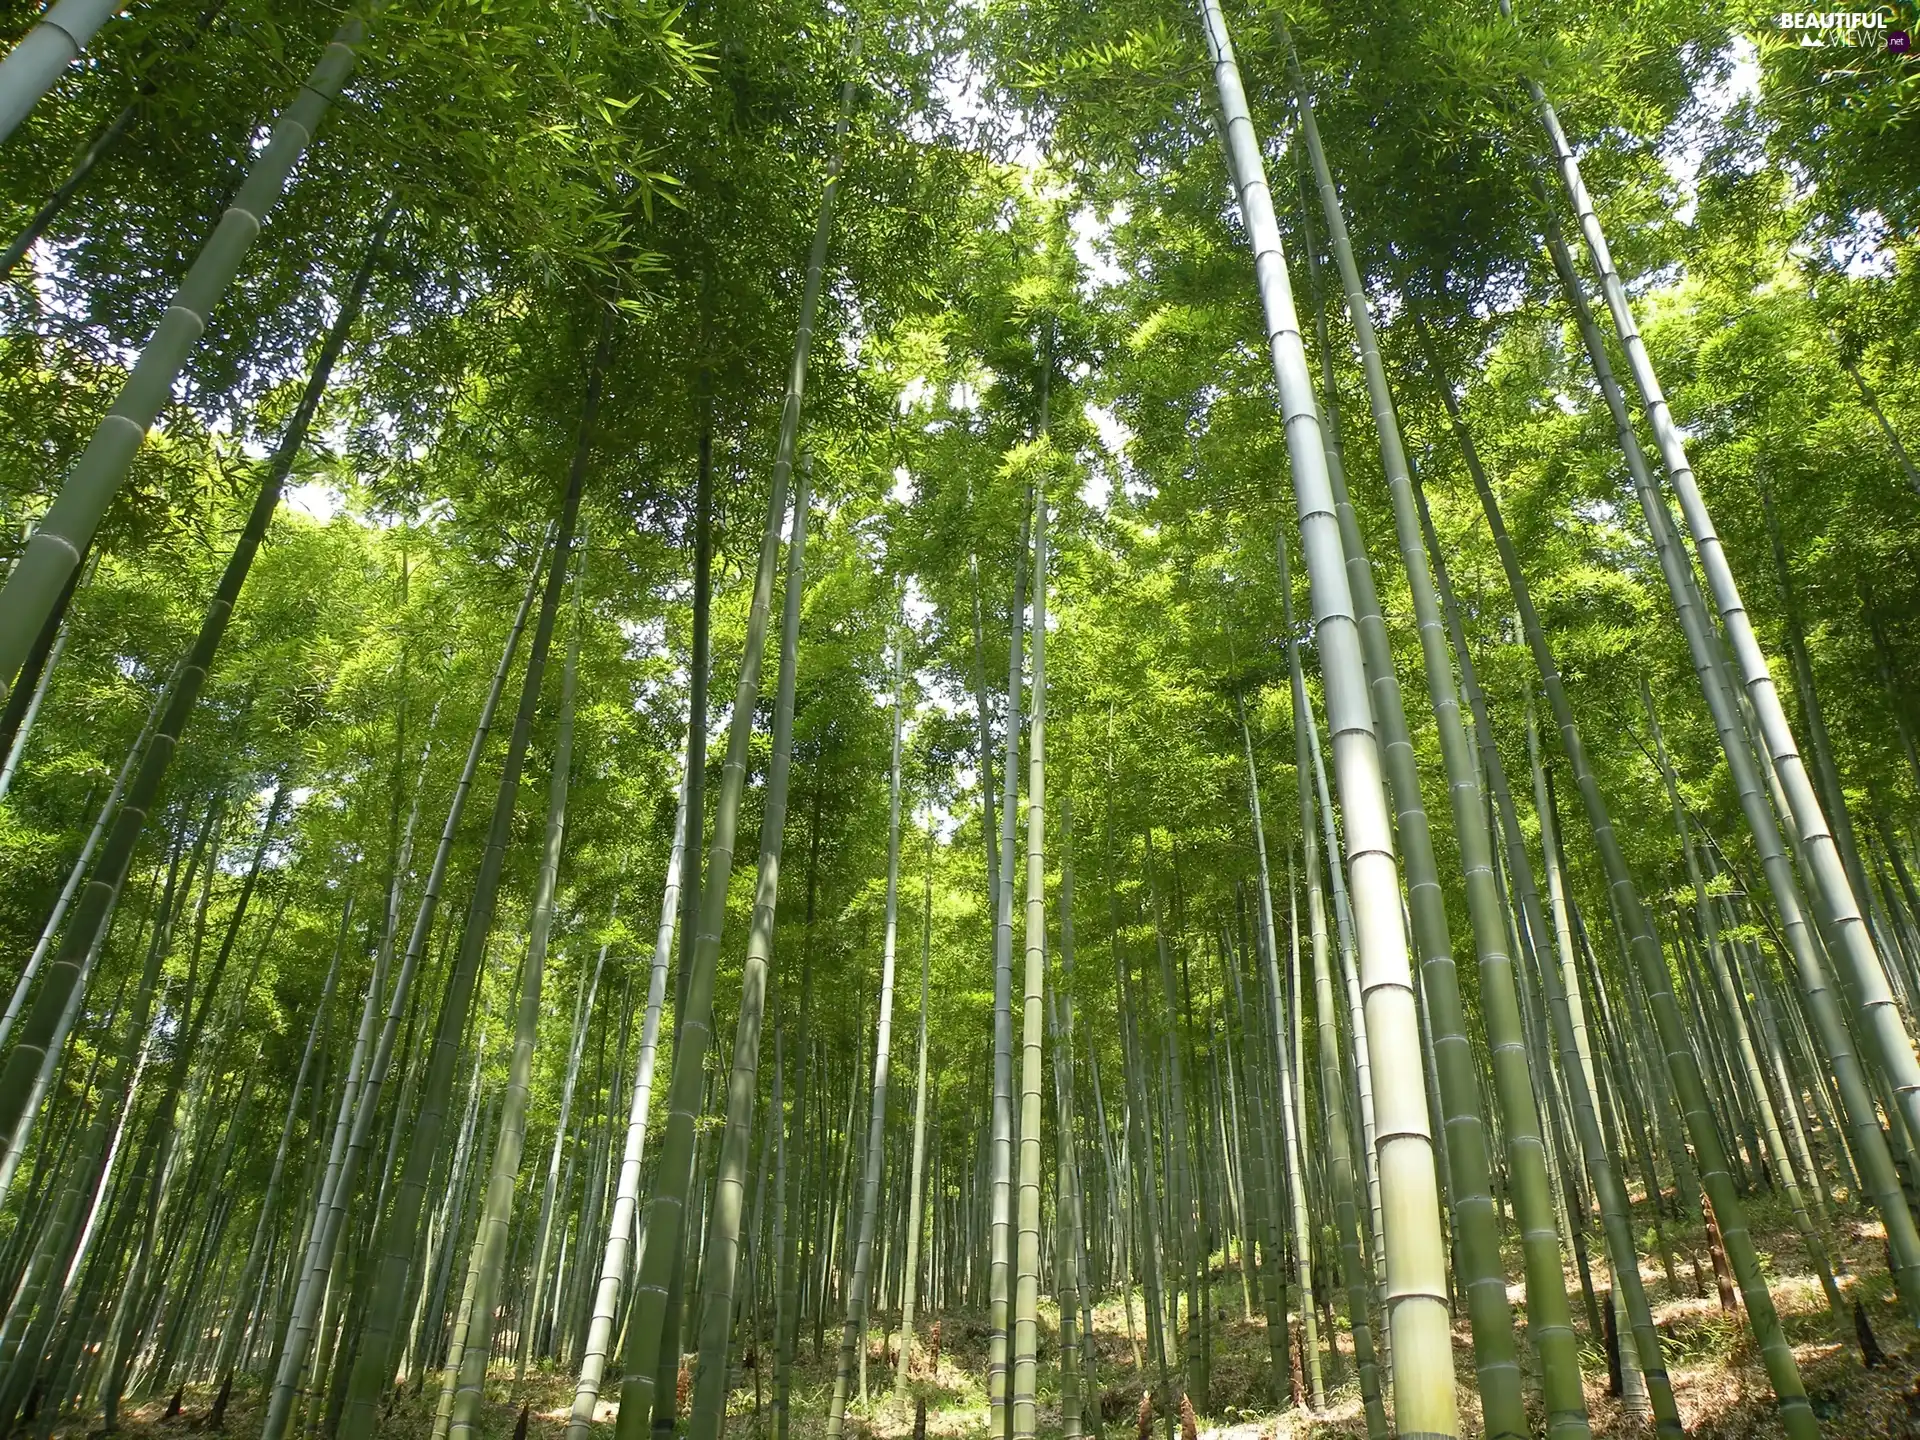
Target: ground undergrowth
<point>1718,1380</point>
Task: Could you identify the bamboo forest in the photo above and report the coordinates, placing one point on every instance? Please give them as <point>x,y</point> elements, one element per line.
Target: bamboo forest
<point>893,720</point>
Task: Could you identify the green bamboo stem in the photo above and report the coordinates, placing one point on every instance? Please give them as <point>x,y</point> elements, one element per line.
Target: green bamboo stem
<point>788,1297</point>
<point>1289,1131</point>
<point>853,1332</point>
<point>1478,1254</point>
<point>64,1239</point>
<point>75,876</point>
<point>36,63</point>
<point>1023,1397</point>
<point>910,1274</point>
<point>1144,1204</point>
<point>729,1194</point>
<point>1000,1239</point>
<point>1418,1318</point>
<point>616,1256</point>
<point>553,1191</point>
<point>1333,1084</point>
<point>1562,952</point>
<point>1077,1273</point>
<point>53,553</point>
<point>1609,1191</point>
<point>1361,1056</point>
<point>487,1264</point>
<point>1644,947</point>
<point>1869,1149</point>
<point>1182,1202</point>
<point>666,1211</point>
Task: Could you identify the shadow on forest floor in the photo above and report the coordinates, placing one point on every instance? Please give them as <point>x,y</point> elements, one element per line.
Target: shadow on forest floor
<point>1718,1380</point>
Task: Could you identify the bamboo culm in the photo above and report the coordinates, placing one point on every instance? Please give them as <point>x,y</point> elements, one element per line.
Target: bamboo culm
<point>723,1230</point>
<point>393,1258</point>
<point>96,900</point>
<point>97,475</point>
<point>855,1298</point>
<point>1419,1319</point>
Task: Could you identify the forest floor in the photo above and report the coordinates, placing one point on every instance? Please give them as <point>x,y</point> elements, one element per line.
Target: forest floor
<point>1717,1376</point>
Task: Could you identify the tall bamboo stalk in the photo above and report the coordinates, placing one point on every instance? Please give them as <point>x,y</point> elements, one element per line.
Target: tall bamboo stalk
<point>729,1193</point>
<point>664,1232</point>
<point>1000,1240</point>
<point>1735,1021</point>
<point>53,553</point>
<point>854,1332</point>
<point>553,1192</point>
<point>1868,1142</point>
<point>1026,1303</point>
<point>1289,1138</point>
<point>489,1258</point>
<point>393,1255</point>
<point>618,1251</point>
<point>1477,1257</point>
<point>910,1275</point>
<point>1418,1315</point>
<point>1333,1080</point>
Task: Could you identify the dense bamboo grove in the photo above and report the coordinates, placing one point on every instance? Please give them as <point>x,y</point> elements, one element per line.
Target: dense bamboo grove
<point>535,906</point>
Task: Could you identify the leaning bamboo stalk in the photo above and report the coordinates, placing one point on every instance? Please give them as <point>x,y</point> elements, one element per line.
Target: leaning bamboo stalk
<point>1609,1190</point>
<point>1869,1148</point>
<point>1466,1149</point>
<point>36,64</point>
<point>1682,1066</point>
<point>1891,1047</point>
<point>11,767</point>
<point>65,1237</point>
<point>96,901</point>
<point>79,871</point>
<point>66,529</point>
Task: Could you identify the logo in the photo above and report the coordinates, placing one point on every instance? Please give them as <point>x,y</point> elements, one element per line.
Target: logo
<point>1855,28</point>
